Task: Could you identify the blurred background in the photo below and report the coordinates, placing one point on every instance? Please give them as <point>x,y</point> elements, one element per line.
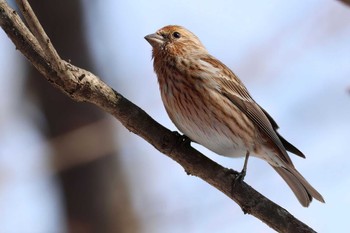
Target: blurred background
<point>68,167</point>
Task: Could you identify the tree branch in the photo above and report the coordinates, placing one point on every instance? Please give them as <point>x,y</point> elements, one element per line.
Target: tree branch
<point>81,85</point>
<point>347,2</point>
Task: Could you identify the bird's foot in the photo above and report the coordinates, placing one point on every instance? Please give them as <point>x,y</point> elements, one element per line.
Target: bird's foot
<point>240,175</point>
<point>183,140</point>
<point>237,176</point>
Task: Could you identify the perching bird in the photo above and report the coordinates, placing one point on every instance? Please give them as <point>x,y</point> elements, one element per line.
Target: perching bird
<point>210,105</point>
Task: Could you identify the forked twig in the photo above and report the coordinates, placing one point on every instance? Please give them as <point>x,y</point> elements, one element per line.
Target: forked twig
<point>39,33</point>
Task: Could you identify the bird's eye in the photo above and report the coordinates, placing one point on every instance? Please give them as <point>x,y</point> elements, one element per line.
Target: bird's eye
<point>176,35</point>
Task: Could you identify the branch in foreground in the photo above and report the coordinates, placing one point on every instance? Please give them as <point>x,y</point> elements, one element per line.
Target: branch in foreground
<point>82,85</point>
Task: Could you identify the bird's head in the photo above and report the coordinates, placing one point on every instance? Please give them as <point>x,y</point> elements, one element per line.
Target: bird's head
<point>174,40</point>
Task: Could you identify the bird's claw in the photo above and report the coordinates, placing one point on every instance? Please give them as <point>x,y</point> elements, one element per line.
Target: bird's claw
<point>182,139</point>
<point>240,175</point>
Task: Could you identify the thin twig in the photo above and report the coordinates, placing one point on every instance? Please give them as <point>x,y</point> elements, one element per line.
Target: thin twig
<point>39,33</point>
<point>34,44</point>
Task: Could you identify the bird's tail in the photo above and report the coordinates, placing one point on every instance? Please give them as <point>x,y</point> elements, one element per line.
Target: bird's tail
<point>301,188</point>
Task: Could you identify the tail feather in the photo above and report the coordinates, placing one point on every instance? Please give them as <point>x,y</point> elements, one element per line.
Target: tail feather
<point>301,188</point>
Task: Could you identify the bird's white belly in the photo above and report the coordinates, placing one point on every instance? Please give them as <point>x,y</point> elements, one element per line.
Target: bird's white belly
<point>215,136</point>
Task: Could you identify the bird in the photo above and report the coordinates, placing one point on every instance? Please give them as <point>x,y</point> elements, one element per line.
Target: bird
<point>211,106</point>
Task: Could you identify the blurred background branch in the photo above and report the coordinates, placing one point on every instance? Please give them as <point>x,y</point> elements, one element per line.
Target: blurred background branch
<point>347,2</point>
<point>84,152</point>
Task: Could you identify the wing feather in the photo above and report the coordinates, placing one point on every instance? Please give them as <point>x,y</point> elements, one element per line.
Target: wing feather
<point>251,110</point>
<point>233,89</point>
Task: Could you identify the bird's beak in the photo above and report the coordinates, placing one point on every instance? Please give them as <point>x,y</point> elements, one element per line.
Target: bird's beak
<point>154,39</point>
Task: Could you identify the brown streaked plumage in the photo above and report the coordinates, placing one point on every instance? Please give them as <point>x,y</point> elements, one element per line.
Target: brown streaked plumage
<point>209,104</point>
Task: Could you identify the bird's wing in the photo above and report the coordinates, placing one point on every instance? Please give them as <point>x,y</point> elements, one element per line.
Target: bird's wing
<point>233,89</point>
<point>256,115</point>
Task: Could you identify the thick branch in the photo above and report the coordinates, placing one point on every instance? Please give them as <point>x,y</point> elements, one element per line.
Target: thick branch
<point>82,85</point>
